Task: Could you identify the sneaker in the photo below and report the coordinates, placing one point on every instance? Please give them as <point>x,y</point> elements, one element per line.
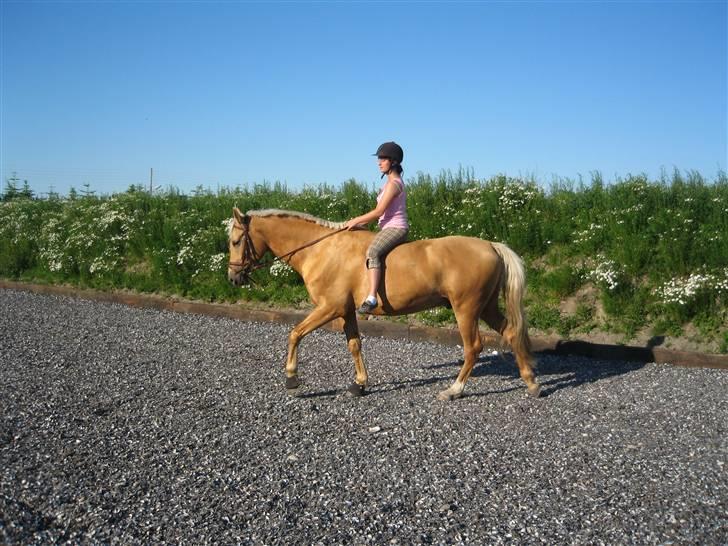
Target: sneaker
<point>366,307</point>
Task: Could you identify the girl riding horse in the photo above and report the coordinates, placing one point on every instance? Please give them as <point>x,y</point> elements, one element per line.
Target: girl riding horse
<point>391,211</point>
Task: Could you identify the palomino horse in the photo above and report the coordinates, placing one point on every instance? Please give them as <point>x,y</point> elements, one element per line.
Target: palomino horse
<point>463,272</point>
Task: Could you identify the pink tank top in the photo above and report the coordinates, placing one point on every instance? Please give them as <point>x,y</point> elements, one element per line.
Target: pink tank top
<point>395,215</point>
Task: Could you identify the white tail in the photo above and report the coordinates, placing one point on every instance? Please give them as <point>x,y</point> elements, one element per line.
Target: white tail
<point>514,288</point>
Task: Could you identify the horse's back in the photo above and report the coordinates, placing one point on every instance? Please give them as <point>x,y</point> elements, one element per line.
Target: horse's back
<point>448,251</point>
<point>448,266</point>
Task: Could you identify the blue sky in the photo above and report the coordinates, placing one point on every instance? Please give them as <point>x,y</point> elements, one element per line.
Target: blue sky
<point>236,93</point>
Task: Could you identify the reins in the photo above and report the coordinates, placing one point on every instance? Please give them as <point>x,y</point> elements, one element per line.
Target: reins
<point>251,261</point>
<point>310,243</point>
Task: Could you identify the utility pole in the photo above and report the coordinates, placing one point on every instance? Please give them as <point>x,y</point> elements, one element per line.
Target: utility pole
<point>87,192</point>
<point>151,177</point>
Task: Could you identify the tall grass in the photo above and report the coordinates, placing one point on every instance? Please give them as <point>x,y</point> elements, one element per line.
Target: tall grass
<point>631,253</point>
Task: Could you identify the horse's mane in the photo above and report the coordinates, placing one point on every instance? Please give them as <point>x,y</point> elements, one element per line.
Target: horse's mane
<point>294,214</point>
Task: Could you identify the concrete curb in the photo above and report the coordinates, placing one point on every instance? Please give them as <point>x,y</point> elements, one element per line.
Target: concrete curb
<point>445,336</point>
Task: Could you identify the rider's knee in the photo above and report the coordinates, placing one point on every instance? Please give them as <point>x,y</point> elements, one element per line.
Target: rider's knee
<point>373,262</point>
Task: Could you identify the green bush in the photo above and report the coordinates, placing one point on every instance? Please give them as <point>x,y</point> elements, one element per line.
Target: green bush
<point>656,252</point>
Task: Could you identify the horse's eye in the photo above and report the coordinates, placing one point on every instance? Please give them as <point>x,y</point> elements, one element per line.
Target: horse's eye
<point>236,243</point>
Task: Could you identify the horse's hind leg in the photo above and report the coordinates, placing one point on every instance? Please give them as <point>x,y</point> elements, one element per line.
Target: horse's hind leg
<point>472,346</point>
<point>351,329</point>
<point>318,317</point>
<point>524,359</point>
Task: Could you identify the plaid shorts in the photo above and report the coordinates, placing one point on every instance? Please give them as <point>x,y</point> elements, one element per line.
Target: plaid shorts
<point>384,241</point>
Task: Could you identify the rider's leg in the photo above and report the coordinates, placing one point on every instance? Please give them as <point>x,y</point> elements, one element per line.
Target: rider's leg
<point>384,241</point>
<point>375,275</point>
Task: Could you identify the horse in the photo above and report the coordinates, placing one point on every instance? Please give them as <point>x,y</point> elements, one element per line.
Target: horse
<point>464,273</point>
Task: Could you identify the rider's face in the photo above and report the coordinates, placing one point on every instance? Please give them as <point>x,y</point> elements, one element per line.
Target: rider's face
<point>385,164</point>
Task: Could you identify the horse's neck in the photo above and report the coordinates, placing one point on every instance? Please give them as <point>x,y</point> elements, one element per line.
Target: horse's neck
<point>283,235</point>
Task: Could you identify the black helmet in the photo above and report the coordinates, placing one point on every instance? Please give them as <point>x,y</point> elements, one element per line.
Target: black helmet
<point>391,150</point>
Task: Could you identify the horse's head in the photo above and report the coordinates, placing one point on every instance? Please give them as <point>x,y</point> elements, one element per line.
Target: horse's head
<point>246,250</point>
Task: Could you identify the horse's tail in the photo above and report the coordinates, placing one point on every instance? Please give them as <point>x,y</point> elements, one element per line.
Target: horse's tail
<point>514,288</point>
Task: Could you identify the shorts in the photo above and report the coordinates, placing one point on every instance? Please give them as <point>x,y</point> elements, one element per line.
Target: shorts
<point>384,241</point>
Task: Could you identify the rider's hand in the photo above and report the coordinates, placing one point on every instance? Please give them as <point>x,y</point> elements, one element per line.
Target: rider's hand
<point>352,224</point>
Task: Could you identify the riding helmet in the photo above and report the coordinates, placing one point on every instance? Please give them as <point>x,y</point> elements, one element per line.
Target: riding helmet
<point>391,150</point>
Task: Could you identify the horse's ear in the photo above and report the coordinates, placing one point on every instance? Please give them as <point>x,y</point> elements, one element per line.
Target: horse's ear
<point>238,215</point>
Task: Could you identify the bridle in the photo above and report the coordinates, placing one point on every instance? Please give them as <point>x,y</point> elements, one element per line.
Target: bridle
<point>252,261</point>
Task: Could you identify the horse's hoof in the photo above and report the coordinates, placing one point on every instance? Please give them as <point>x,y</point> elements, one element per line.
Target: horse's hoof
<point>357,390</point>
<point>534,391</point>
<point>292,383</point>
<point>447,396</point>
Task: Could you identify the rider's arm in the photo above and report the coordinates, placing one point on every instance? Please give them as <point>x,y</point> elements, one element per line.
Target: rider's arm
<point>391,190</point>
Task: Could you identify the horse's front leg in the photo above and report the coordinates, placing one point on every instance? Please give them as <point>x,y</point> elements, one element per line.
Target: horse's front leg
<point>351,329</point>
<point>317,318</point>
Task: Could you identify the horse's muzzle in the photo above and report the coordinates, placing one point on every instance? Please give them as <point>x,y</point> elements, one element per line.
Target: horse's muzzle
<point>237,278</point>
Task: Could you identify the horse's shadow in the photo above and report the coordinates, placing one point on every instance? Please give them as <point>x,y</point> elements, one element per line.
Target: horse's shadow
<point>319,394</point>
<point>554,372</point>
<point>571,371</point>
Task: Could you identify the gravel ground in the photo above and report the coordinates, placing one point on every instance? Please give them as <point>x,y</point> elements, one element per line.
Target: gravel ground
<point>129,426</point>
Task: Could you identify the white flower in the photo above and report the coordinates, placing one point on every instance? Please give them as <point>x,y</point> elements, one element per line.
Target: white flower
<point>682,290</point>
<point>217,261</point>
<point>606,271</point>
<point>183,255</point>
<point>280,269</point>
